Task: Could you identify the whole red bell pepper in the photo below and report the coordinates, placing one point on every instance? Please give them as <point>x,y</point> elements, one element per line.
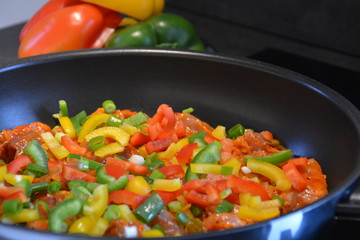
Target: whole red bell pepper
<point>62,25</point>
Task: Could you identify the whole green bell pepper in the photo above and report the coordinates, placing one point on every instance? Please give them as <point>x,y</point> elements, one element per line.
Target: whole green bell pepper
<point>163,30</point>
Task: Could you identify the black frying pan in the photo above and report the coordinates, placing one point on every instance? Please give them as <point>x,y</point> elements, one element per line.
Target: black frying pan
<point>306,116</point>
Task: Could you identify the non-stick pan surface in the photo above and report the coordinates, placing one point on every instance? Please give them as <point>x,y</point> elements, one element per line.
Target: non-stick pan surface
<point>306,116</point>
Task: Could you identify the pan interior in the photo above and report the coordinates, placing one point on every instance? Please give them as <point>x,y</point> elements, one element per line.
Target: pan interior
<point>304,115</point>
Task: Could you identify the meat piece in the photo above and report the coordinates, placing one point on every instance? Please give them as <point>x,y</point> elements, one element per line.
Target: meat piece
<point>12,142</point>
<point>168,222</point>
<point>221,221</point>
<point>193,124</point>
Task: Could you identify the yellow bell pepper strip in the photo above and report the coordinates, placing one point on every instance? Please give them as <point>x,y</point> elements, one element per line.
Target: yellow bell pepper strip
<point>82,225</point>
<point>3,172</point>
<point>115,133</point>
<point>168,185</point>
<point>68,126</point>
<point>126,214</point>
<point>139,9</point>
<point>100,226</point>
<point>205,168</point>
<point>55,147</point>
<point>235,164</point>
<point>26,215</point>
<point>270,171</point>
<point>219,132</point>
<point>152,233</point>
<point>16,178</point>
<point>98,203</point>
<point>91,123</point>
<point>108,149</point>
<point>149,209</point>
<point>258,214</point>
<point>138,185</point>
<point>89,225</point>
<point>65,209</point>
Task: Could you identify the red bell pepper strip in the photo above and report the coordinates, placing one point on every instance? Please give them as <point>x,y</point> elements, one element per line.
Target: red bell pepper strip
<point>239,185</point>
<point>166,196</point>
<point>199,199</point>
<point>129,166</point>
<point>48,8</point>
<point>299,182</point>
<point>69,173</point>
<point>115,171</point>
<point>17,164</point>
<point>6,192</point>
<point>72,146</point>
<point>160,144</point>
<point>213,193</point>
<point>173,171</point>
<point>185,153</point>
<point>138,139</point>
<point>126,197</point>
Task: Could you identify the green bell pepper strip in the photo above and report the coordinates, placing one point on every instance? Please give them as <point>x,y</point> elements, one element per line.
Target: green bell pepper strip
<point>114,121</point>
<point>137,119</point>
<point>157,175</point>
<point>118,184</point>
<point>199,135</point>
<point>236,131</point>
<point>158,31</point>
<point>37,153</point>
<point>12,207</point>
<point>81,192</point>
<point>37,170</point>
<point>209,154</point>
<point>65,209</point>
<point>275,158</point>
<point>224,207</point>
<point>149,209</point>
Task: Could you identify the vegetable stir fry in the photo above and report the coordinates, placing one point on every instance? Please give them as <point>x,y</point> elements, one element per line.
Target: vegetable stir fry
<point>125,173</point>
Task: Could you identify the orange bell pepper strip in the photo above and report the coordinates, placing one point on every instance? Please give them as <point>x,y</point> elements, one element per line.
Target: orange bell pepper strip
<point>299,182</point>
<point>72,146</point>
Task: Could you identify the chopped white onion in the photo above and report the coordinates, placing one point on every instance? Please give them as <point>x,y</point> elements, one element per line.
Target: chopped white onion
<point>130,231</point>
<point>245,170</point>
<point>137,159</point>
